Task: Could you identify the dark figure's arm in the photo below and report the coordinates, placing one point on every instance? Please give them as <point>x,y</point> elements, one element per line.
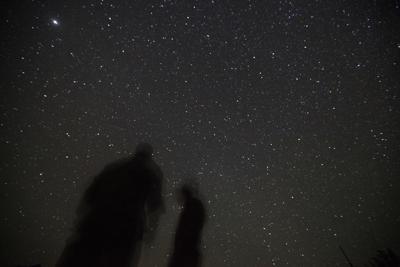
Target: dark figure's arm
<point>155,201</point>
<point>154,204</point>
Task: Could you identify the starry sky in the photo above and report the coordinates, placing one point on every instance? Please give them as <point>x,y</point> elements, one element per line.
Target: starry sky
<point>286,113</point>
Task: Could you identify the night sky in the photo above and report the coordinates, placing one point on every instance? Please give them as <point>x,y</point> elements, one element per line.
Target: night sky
<point>286,113</point>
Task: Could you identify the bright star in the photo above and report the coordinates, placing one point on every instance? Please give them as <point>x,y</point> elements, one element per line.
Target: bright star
<point>55,22</point>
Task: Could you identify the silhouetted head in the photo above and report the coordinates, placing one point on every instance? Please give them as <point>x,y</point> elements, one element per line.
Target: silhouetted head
<point>144,150</point>
<point>185,192</point>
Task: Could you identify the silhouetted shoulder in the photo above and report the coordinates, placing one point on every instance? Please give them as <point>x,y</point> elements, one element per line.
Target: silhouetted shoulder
<point>118,164</point>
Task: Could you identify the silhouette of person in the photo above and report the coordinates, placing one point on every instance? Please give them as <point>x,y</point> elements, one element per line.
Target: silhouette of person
<point>119,209</point>
<point>187,251</point>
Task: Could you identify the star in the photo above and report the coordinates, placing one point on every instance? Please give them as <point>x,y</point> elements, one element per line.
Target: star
<point>55,22</point>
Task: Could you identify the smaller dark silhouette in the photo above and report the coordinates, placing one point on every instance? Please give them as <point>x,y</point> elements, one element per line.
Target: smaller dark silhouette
<point>187,245</point>
<point>384,258</point>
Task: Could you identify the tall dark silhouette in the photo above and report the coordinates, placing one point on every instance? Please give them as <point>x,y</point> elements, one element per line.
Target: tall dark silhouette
<point>119,209</point>
<point>187,245</point>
